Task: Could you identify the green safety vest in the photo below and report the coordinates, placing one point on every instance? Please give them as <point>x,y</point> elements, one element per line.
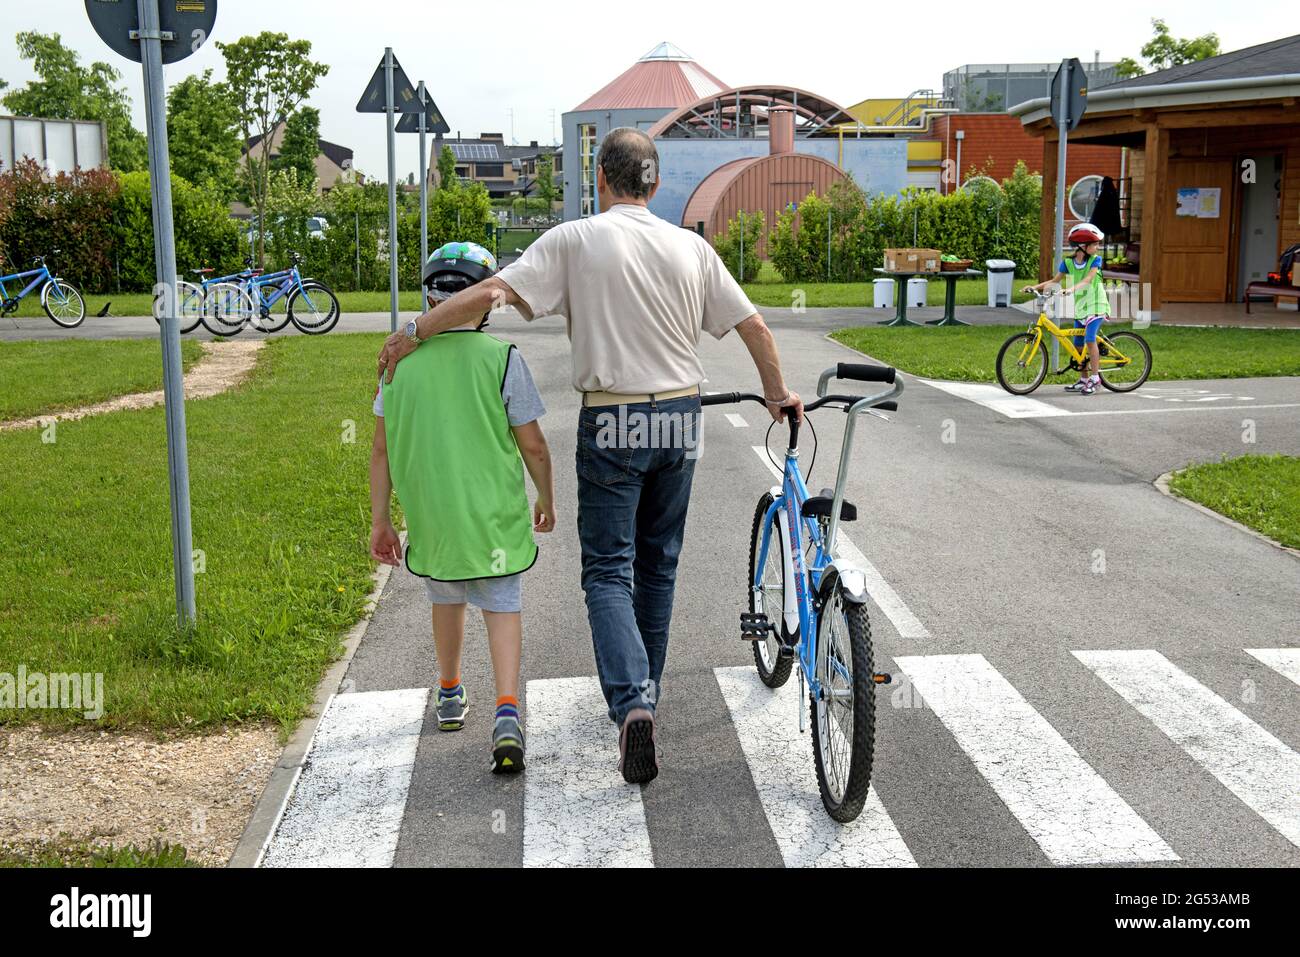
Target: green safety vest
<point>1091,301</point>
<point>454,462</point>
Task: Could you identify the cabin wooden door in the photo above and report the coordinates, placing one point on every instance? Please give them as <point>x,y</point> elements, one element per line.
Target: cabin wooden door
<point>1194,259</point>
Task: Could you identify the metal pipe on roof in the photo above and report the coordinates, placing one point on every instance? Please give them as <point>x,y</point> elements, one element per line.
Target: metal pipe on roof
<point>1165,89</point>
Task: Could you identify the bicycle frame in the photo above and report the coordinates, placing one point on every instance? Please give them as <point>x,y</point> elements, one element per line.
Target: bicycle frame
<point>1066,338</point>
<point>42,275</point>
<point>801,612</point>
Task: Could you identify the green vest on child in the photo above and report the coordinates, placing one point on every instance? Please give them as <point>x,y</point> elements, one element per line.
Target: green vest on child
<point>1091,300</point>
<point>454,462</point>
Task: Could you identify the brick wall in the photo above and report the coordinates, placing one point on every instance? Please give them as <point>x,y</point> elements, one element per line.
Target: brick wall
<point>1002,139</point>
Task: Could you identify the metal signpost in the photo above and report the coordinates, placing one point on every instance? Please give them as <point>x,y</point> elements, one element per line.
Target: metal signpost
<point>138,32</point>
<point>428,120</point>
<point>389,92</point>
<point>1069,100</point>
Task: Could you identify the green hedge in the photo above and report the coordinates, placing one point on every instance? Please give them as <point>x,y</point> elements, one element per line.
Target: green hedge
<point>102,223</point>
<point>984,222</point>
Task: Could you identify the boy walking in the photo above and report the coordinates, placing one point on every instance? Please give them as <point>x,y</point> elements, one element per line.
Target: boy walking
<point>450,433</point>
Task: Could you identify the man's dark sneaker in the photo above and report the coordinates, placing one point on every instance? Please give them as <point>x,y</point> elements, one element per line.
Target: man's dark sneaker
<point>636,747</point>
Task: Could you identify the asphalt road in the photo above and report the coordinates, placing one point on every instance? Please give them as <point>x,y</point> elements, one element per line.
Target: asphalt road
<point>1069,646</point>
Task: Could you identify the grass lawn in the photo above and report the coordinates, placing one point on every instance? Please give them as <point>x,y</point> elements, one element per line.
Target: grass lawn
<point>86,854</point>
<point>280,511</point>
<point>38,377</point>
<point>1257,490</point>
<point>968,353</point>
<point>769,290</point>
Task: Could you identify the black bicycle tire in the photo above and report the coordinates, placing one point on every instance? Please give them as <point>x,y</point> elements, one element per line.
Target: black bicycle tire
<point>1146,349</point>
<point>45,295</point>
<point>317,329</point>
<point>1042,346</point>
<point>780,673</point>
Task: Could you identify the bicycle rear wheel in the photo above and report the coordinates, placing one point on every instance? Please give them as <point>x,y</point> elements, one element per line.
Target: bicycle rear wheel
<point>1131,374</point>
<point>63,303</point>
<point>769,597</point>
<point>314,308</point>
<point>1021,368</point>
<point>844,710</point>
<point>189,310</point>
<point>227,307</point>
<point>269,317</point>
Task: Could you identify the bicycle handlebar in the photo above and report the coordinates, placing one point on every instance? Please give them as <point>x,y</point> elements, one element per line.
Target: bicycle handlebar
<point>864,372</point>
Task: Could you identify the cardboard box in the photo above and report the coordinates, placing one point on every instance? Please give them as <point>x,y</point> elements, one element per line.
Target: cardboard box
<point>912,260</point>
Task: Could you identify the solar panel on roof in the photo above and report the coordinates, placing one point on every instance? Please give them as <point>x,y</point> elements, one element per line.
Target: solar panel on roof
<point>475,151</point>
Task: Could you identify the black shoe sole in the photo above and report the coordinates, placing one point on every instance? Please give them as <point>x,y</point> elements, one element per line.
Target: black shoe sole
<point>507,759</point>
<point>639,764</point>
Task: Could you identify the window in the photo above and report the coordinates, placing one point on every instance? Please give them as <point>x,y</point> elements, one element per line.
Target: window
<point>587,163</point>
<point>495,170</point>
<point>1083,196</point>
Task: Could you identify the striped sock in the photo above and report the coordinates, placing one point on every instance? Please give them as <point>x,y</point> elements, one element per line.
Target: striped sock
<point>507,706</point>
<point>449,689</point>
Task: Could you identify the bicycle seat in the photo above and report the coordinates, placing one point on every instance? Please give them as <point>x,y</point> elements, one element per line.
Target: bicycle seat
<point>819,506</point>
<point>202,272</point>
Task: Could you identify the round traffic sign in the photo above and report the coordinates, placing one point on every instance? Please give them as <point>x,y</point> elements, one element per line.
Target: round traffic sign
<point>189,22</point>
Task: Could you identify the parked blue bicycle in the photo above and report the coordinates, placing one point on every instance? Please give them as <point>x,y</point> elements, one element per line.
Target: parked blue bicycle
<point>59,298</point>
<point>269,301</point>
<point>807,606</point>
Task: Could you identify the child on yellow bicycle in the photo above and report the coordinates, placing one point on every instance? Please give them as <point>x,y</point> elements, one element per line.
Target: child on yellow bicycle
<point>1091,305</point>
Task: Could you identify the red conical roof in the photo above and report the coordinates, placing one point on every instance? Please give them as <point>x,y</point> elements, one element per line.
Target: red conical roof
<point>665,78</point>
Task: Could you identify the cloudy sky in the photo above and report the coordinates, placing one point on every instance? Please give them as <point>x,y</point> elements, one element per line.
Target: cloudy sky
<point>482,61</point>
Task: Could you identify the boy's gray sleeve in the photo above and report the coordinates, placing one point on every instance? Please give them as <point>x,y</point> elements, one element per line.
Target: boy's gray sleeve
<point>518,391</point>
<point>378,407</point>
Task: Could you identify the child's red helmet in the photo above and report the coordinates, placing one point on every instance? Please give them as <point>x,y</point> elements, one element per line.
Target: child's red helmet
<point>1085,233</point>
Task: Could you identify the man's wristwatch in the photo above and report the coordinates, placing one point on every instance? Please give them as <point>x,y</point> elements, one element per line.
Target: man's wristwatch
<point>412,333</point>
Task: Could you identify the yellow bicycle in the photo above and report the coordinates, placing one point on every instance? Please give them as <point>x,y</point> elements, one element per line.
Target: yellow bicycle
<point>1124,357</point>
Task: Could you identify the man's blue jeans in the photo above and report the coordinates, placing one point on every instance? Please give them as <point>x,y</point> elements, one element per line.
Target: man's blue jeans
<point>635,464</point>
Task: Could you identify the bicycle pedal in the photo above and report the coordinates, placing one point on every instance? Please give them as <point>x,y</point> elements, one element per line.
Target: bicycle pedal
<point>754,626</point>
<point>883,678</point>
<point>785,651</point>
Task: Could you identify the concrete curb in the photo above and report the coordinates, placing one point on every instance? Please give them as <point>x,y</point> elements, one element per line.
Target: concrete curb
<point>275,796</point>
<point>1162,483</point>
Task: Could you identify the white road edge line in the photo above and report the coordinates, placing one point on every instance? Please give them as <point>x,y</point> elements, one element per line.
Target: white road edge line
<point>737,421</point>
<point>347,806</point>
<point>1285,661</point>
<point>881,592</point>
<point>578,810</point>
<point>781,763</point>
<point>1059,799</point>
<point>1251,763</point>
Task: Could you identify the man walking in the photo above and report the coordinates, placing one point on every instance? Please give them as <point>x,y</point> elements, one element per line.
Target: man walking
<point>636,292</point>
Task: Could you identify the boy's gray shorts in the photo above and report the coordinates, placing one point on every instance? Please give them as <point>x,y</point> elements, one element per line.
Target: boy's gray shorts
<point>503,594</point>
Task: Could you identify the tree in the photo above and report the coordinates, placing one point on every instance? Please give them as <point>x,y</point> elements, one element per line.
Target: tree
<point>1163,51</point>
<point>66,90</point>
<point>447,178</point>
<point>203,134</point>
<point>300,145</point>
<point>546,180</point>
<point>269,75</point>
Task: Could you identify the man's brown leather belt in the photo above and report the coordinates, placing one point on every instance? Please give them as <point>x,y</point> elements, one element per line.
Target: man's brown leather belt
<point>620,398</point>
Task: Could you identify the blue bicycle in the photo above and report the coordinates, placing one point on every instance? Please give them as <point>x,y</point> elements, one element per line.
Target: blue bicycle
<point>59,298</point>
<point>807,606</point>
<point>269,301</point>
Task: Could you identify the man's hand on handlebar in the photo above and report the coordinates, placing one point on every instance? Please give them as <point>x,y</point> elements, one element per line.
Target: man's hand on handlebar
<point>791,403</point>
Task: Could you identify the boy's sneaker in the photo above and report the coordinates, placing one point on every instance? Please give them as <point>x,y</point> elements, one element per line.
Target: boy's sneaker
<point>507,746</point>
<point>452,709</point>
<point>1089,388</point>
<point>636,747</point>
<point>1078,386</point>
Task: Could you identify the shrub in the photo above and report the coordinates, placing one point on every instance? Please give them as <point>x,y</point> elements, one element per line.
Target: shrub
<point>729,246</point>
<point>204,232</point>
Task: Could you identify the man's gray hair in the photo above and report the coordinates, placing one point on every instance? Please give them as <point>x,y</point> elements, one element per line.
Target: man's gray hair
<point>630,161</point>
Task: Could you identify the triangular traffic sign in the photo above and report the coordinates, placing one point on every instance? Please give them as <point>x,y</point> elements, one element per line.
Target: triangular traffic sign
<point>404,98</point>
<point>410,122</point>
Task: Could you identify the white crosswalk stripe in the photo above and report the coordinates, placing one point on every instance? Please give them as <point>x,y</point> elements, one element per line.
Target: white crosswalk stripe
<point>1285,661</point>
<point>347,806</point>
<point>578,810</point>
<point>1065,805</point>
<point>781,762</point>
<point>1251,763</point>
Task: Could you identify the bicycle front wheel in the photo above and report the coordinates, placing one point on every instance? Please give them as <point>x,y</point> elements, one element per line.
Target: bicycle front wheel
<point>1021,367</point>
<point>227,307</point>
<point>190,308</point>
<point>1127,362</point>
<point>844,709</point>
<point>63,303</point>
<point>269,316</point>
<point>768,597</point>
<point>314,308</point>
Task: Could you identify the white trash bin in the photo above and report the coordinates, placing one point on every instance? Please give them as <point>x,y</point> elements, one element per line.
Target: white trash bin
<point>917,288</point>
<point>1002,276</point>
<point>882,293</point>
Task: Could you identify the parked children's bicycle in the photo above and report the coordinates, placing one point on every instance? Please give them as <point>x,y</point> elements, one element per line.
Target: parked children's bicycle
<point>1124,357</point>
<point>269,301</point>
<point>807,607</point>
<point>59,298</point>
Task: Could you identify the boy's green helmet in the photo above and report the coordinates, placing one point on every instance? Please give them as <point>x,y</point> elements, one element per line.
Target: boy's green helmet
<point>456,266</point>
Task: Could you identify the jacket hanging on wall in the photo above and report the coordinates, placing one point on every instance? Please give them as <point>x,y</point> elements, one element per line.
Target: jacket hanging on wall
<point>1105,214</point>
